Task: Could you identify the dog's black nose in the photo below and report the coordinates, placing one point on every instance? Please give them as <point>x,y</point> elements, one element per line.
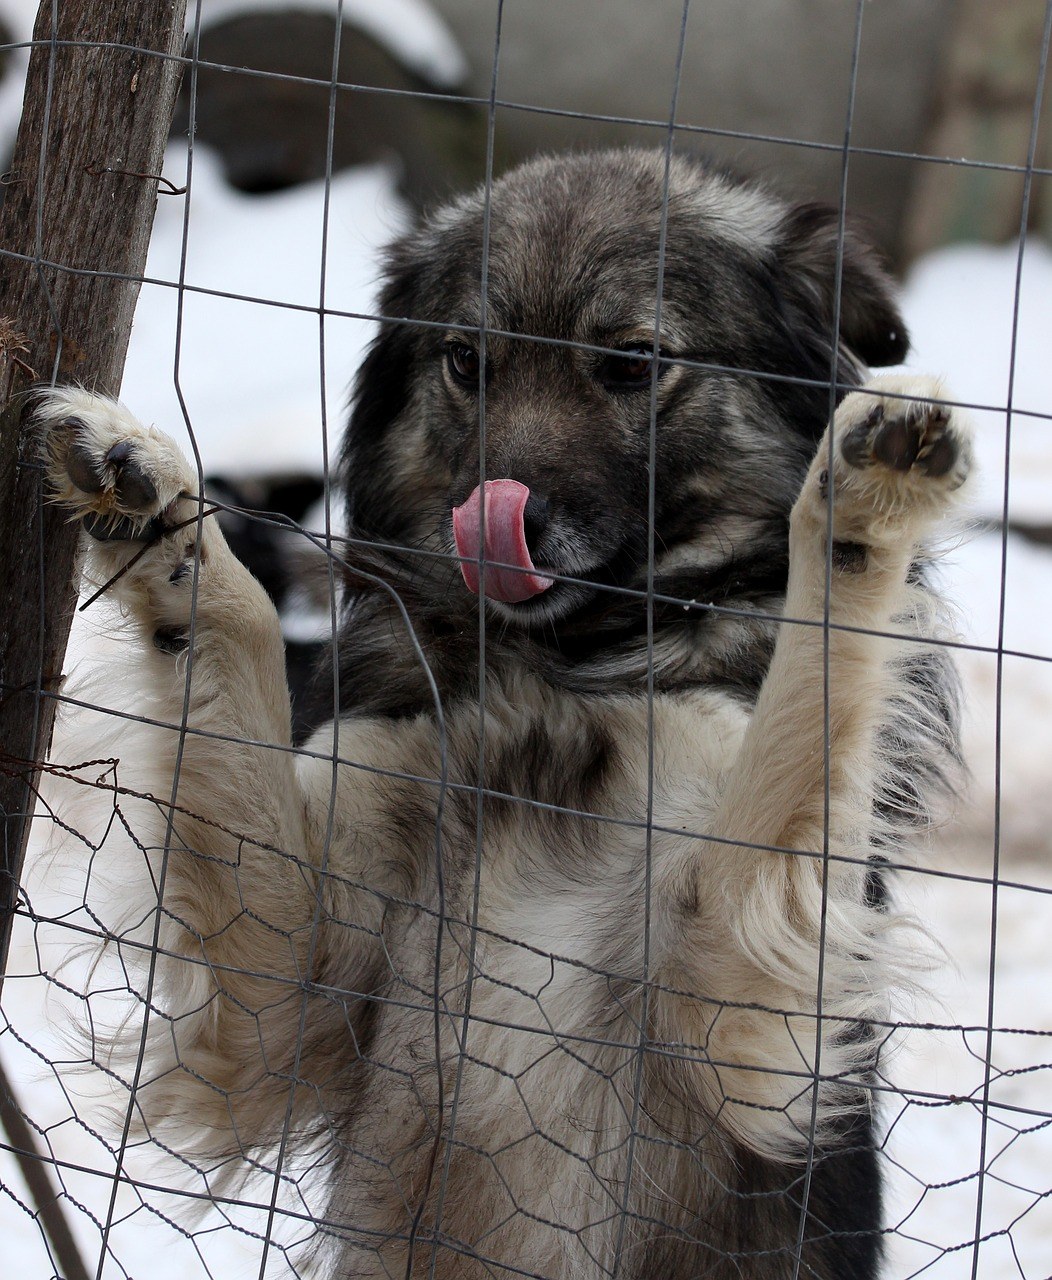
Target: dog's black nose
<point>535,518</point>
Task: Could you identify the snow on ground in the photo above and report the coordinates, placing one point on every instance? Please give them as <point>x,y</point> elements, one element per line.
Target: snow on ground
<point>250,372</point>
<point>961,306</point>
<point>252,385</point>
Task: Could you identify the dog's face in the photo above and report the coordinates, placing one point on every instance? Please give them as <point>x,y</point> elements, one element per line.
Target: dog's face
<point>593,325</point>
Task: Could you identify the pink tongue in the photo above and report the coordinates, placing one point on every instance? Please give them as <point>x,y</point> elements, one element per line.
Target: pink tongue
<point>505,543</point>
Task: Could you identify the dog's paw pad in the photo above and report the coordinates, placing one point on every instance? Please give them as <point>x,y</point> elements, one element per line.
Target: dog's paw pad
<point>902,429</point>
<point>897,440</point>
<point>901,434</point>
<point>116,478</point>
<point>108,469</point>
<point>904,434</point>
<point>82,462</point>
<point>942,450</point>
<point>132,485</point>
<point>900,454</point>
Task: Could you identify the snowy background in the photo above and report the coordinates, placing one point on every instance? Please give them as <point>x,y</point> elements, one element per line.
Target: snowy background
<point>259,399</point>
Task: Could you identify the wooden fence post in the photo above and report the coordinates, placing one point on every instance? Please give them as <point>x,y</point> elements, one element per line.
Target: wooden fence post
<point>74,228</point>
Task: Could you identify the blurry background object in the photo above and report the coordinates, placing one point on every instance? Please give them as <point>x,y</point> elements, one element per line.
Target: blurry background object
<point>766,69</point>
<point>984,113</point>
<point>263,95</point>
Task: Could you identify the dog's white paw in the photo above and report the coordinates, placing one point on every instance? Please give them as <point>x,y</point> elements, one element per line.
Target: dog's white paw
<point>108,469</point>
<point>133,492</point>
<point>901,457</point>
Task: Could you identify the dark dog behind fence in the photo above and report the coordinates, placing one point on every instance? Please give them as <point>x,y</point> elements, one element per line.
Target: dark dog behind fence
<point>283,1211</point>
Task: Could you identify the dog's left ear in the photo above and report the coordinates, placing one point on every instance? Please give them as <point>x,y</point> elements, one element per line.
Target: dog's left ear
<point>871,325</point>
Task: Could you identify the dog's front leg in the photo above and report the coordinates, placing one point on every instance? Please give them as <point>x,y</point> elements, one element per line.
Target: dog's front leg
<point>799,946</point>
<point>232,851</point>
<point>897,467</point>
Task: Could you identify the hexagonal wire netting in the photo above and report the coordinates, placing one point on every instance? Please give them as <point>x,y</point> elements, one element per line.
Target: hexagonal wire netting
<point>96,1181</point>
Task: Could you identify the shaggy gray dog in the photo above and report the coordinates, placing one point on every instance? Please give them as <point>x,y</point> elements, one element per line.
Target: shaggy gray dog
<point>564,948</point>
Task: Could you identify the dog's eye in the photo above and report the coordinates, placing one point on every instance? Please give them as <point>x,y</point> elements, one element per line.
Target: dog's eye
<point>630,370</point>
<point>463,364</point>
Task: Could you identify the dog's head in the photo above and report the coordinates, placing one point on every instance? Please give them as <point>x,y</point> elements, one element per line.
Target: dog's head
<point>597,322</point>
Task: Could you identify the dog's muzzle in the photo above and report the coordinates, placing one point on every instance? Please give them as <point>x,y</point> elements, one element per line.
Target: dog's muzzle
<point>510,574</point>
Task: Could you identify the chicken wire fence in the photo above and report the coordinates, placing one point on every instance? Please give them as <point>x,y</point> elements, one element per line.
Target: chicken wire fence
<point>963,1102</point>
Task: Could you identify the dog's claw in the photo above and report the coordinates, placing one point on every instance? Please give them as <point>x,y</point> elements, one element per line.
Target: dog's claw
<point>901,435</point>
<point>134,489</point>
<point>901,453</point>
<point>106,528</point>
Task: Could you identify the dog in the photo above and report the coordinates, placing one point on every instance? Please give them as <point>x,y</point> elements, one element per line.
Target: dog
<point>565,948</point>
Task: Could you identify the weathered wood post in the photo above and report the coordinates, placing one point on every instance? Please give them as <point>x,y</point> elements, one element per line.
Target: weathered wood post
<point>77,212</point>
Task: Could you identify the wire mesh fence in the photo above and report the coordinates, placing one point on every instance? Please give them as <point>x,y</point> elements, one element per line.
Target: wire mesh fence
<point>429,1069</point>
